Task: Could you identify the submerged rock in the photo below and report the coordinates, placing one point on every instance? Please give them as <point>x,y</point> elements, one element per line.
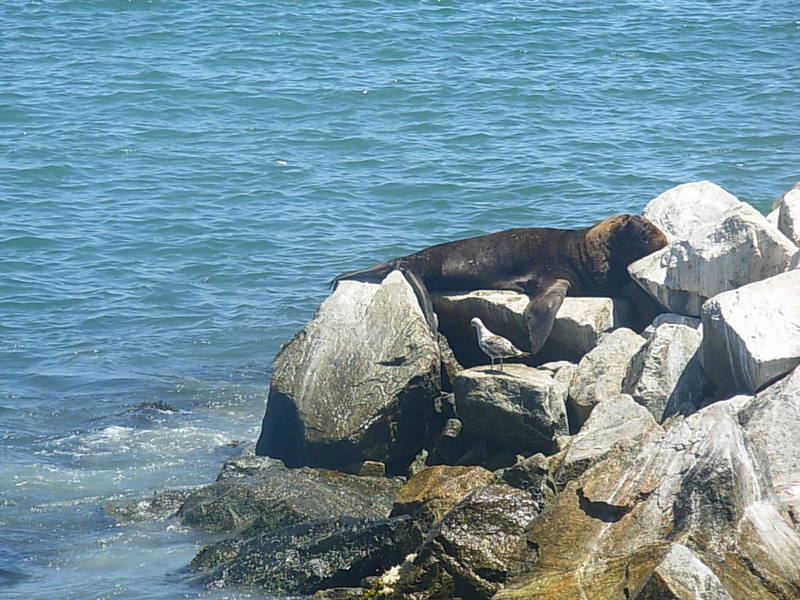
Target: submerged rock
<point>160,505</point>
<point>357,383</point>
<point>751,336</point>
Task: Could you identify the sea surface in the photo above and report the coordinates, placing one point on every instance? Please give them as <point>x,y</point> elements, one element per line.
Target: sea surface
<point>180,179</point>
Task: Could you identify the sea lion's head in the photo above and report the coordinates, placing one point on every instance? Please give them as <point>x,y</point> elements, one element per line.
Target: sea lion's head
<point>616,242</point>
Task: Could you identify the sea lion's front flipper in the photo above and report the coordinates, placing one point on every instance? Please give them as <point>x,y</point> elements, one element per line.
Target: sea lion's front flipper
<point>423,297</point>
<point>540,314</point>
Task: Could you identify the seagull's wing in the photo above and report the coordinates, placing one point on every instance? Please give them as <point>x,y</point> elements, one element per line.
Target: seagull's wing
<point>500,346</point>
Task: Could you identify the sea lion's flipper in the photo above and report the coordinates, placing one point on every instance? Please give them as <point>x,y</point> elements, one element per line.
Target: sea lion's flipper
<point>540,314</point>
<point>375,272</point>
<point>423,297</point>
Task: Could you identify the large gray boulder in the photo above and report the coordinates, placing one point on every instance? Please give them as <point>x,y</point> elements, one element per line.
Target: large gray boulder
<point>614,419</point>
<point>666,374</point>
<point>578,325</point>
<point>772,423</point>
<point>357,383</point>
<point>600,374</point>
<point>789,214</point>
<point>682,575</point>
<point>739,248</point>
<point>751,336</point>
<point>681,210</point>
<point>520,410</point>
<point>699,483</point>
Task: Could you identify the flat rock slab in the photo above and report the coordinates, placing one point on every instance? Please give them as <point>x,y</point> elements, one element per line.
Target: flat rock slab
<point>520,410</point>
<point>751,336</point>
<point>740,248</point>
<point>261,497</point>
<point>305,558</point>
<point>357,382</point>
<point>578,324</point>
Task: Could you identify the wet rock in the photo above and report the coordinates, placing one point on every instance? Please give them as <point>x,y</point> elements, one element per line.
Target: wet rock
<point>266,497</point>
<point>698,483</point>
<point>533,475</point>
<point>718,256</point>
<point>666,374</point>
<point>789,214</point>
<point>520,410</point>
<point>305,558</point>
<point>357,382</point>
<point>160,505</point>
<point>751,336</point>
<point>578,324</point>
<point>600,374</point>
<point>614,419</point>
<point>348,593</point>
<point>681,210</point>
<point>430,494</point>
<point>474,550</point>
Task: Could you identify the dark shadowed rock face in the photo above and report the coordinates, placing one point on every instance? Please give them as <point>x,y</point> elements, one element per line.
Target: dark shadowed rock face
<point>304,558</point>
<point>473,551</point>
<point>358,382</point>
<point>252,499</point>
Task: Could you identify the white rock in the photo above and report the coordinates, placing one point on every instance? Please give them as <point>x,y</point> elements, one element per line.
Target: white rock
<point>613,419</point>
<point>666,374</point>
<point>751,336</point>
<point>789,214</point>
<point>772,422</point>
<point>600,373</point>
<point>681,575</point>
<point>679,211</point>
<point>739,249</point>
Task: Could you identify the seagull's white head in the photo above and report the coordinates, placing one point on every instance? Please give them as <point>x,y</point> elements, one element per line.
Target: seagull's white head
<point>476,322</point>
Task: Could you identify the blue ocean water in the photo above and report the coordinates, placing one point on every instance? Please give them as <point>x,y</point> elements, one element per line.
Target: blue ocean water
<point>179,180</point>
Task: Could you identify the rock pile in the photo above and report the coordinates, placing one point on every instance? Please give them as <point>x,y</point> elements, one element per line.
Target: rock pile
<point>626,460</point>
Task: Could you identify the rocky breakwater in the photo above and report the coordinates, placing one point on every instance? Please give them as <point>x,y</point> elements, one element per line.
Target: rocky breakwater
<point>631,458</point>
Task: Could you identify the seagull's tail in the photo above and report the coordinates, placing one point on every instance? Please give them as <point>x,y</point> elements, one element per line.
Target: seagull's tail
<point>374,272</point>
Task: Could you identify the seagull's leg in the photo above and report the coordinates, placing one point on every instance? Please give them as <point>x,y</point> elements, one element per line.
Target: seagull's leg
<point>501,363</point>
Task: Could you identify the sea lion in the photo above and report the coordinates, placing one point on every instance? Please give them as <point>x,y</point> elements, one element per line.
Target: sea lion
<point>543,263</point>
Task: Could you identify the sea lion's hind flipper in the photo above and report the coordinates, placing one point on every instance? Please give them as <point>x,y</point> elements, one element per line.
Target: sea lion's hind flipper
<point>423,297</point>
<point>375,272</point>
<point>540,314</point>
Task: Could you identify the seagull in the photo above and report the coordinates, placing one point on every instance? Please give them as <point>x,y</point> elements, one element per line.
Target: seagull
<point>494,345</point>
